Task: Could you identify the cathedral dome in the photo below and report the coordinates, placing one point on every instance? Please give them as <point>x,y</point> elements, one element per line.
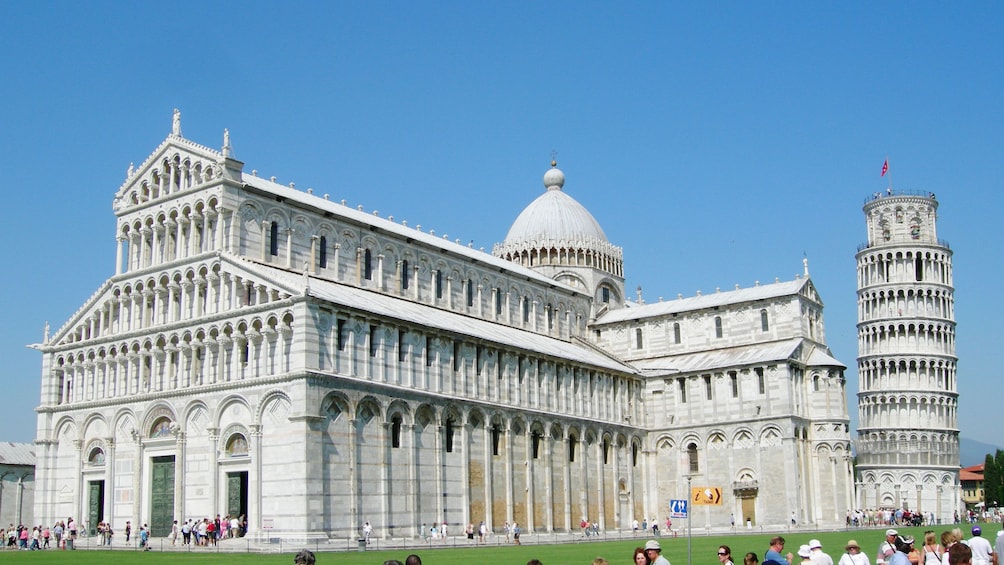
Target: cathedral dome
<point>555,231</point>
<point>554,216</point>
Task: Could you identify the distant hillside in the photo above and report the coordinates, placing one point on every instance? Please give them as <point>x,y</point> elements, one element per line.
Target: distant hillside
<point>972,452</point>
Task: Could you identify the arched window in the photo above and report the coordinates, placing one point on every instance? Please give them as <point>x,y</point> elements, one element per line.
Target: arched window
<point>764,322</point>
<point>470,293</point>
<point>237,446</point>
<point>273,239</point>
<point>718,327</point>
<point>96,457</point>
<point>161,428</point>
<point>692,457</point>
<point>676,332</point>
<point>323,252</point>
<point>439,284</point>
<point>605,295</point>
<point>405,279</point>
<point>526,310</point>
<point>496,436</point>
<point>449,435</point>
<point>368,265</point>
<point>395,431</point>
<point>638,338</point>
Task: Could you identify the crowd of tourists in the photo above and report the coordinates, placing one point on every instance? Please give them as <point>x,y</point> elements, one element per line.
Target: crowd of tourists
<point>207,531</point>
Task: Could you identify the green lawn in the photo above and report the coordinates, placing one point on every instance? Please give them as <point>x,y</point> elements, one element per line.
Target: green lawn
<point>582,553</point>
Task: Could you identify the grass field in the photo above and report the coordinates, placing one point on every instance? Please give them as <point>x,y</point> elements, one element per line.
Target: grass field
<point>704,549</point>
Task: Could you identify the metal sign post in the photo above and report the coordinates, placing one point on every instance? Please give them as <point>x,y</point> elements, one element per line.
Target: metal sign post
<point>690,558</point>
<point>679,509</point>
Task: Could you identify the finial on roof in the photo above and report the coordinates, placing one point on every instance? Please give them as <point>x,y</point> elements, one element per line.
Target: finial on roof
<point>131,170</point>
<point>805,266</point>
<point>176,123</point>
<point>554,179</point>
<point>45,333</point>
<point>226,142</point>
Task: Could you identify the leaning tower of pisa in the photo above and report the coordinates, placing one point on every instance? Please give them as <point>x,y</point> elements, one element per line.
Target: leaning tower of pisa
<point>908,436</point>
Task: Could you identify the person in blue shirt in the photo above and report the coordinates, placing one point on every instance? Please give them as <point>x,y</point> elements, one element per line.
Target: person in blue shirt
<point>773,555</point>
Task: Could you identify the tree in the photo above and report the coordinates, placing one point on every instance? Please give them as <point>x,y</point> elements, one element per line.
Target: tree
<point>993,478</point>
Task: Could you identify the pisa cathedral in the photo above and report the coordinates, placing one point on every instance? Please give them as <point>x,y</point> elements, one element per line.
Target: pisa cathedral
<point>269,352</point>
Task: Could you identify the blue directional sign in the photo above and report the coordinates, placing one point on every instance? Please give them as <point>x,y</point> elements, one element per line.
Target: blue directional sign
<point>677,508</point>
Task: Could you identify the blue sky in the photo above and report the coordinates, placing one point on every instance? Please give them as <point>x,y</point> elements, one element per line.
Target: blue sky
<point>717,143</point>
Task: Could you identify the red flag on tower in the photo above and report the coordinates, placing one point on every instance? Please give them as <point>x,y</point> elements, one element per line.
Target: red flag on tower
<point>885,168</point>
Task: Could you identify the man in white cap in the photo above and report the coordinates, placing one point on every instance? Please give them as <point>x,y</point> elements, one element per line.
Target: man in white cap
<point>818,556</point>
<point>887,547</point>
<point>653,551</point>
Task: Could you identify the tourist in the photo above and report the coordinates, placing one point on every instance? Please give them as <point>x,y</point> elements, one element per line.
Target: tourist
<point>304,557</point>
<point>654,553</point>
<point>71,536</point>
<point>999,547</point>
<point>751,559</point>
<point>639,556</point>
<point>983,553</point>
<point>413,560</point>
<point>887,547</point>
<point>773,555</point>
<point>904,545</point>
<point>960,554</point>
<point>57,532</point>
<point>948,539</point>
<point>805,553</point>
<point>725,555</point>
<point>819,557</point>
<point>932,549</point>
<point>853,555</point>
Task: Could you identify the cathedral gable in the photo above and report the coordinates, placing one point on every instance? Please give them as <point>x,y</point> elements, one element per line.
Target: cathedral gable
<point>127,304</point>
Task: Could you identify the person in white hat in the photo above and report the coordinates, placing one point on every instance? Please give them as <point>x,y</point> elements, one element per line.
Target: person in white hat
<point>819,557</point>
<point>654,553</point>
<point>853,555</point>
<point>805,554</point>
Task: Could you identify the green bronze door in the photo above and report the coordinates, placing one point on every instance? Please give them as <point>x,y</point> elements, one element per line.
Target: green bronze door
<point>161,496</point>
<point>237,494</point>
<point>95,505</point>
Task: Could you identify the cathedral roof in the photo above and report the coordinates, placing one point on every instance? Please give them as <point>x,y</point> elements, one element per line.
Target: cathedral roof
<point>554,216</point>
<point>377,223</point>
<point>17,453</point>
<point>754,354</point>
<point>483,331</point>
<point>705,301</point>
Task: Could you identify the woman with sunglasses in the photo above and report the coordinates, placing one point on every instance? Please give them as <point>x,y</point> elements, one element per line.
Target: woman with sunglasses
<point>725,555</point>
